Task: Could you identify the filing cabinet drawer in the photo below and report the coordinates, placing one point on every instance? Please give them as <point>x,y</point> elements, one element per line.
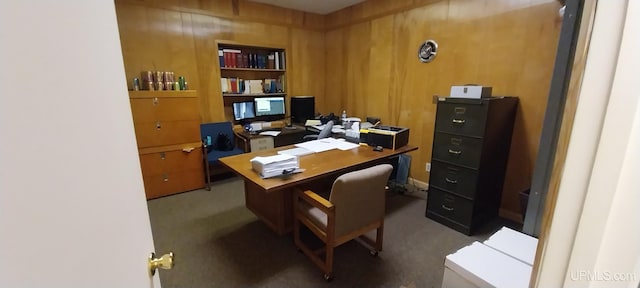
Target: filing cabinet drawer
<point>454,179</point>
<point>452,207</point>
<point>160,133</point>
<point>465,119</point>
<point>262,143</point>
<point>173,182</point>
<point>170,161</point>
<point>457,149</point>
<point>164,109</point>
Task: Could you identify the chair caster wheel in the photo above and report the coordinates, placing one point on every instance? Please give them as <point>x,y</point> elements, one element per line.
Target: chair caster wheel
<point>328,277</point>
<point>373,253</point>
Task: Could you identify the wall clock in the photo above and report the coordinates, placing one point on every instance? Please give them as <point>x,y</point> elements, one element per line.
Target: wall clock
<point>427,51</point>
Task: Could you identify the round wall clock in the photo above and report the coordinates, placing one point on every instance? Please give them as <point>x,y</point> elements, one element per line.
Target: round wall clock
<point>427,51</point>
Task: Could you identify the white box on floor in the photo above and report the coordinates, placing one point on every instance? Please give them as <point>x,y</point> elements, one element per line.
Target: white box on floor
<point>515,244</point>
<point>479,265</point>
<point>470,91</point>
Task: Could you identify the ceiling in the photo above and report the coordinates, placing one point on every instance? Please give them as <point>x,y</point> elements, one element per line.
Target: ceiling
<point>313,6</point>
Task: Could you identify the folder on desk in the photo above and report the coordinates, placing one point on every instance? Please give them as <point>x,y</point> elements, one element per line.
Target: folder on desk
<point>276,165</point>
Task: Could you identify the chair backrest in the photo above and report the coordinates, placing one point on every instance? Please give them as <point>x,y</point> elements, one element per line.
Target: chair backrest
<point>326,131</point>
<point>214,129</point>
<point>359,197</point>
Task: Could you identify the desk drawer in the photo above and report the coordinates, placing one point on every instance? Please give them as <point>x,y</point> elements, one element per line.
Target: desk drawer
<point>262,143</point>
<point>171,161</point>
<point>457,149</point>
<point>455,179</point>
<point>150,134</point>
<point>452,207</point>
<point>466,119</point>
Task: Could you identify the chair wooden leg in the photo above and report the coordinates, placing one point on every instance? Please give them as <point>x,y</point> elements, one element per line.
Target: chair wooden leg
<point>328,263</point>
<point>379,236</point>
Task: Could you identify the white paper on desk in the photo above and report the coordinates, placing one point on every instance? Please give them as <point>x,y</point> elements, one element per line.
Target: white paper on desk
<point>326,144</point>
<point>345,145</point>
<point>319,145</point>
<point>270,133</point>
<point>296,151</point>
<point>312,123</point>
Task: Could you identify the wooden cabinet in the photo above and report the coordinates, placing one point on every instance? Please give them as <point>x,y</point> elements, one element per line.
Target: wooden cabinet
<point>167,126</point>
<point>469,157</point>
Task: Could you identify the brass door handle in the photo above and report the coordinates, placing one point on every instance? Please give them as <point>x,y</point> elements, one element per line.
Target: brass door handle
<point>164,262</point>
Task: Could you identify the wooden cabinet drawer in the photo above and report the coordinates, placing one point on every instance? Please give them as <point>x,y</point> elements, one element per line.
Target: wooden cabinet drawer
<point>173,182</point>
<point>452,207</point>
<point>454,179</point>
<point>262,143</point>
<point>457,149</point>
<point>171,161</point>
<point>164,109</point>
<point>464,119</point>
<point>160,133</point>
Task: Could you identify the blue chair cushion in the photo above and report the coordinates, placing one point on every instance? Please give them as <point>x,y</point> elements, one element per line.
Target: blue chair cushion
<point>214,155</point>
<point>211,131</point>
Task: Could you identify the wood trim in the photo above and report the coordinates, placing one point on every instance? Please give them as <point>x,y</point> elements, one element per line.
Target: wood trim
<point>151,150</point>
<point>236,17</point>
<point>163,93</point>
<point>573,93</point>
<point>356,20</point>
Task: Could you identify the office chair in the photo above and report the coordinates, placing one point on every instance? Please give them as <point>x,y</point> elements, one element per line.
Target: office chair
<point>324,133</point>
<point>356,205</point>
<point>211,134</point>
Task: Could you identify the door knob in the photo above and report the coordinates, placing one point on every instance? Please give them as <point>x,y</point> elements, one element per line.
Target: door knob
<point>164,262</point>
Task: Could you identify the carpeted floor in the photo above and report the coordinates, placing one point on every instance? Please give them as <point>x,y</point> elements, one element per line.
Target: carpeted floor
<point>217,242</point>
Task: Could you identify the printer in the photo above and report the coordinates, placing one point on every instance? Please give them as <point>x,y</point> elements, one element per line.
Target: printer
<point>386,136</point>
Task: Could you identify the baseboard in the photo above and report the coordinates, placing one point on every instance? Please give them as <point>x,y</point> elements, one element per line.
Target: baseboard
<point>418,184</point>
<point>513,216</point>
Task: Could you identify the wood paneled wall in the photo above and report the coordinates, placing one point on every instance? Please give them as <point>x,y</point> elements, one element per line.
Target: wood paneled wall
<point>363,59</point>
<point>372,68</point>
<point>182,36</point>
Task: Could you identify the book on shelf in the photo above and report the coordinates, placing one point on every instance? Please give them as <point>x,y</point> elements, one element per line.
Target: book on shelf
<point>255,86</point>
<point>221,57</point>
<point>231,57</point>
<point>271,60</point>
<point>276,60</point>
<point>224,84</point>
<point>282,57</point>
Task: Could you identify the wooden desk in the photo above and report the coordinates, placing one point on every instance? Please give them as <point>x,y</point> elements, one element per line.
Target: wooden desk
<point>271,199</point>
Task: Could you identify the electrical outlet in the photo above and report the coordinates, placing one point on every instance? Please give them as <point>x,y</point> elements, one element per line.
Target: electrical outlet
<point>428,167</point>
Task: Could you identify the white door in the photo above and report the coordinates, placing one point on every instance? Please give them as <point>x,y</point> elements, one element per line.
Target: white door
<point>72,207</point>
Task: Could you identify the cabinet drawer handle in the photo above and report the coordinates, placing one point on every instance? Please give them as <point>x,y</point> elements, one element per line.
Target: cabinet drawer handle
<point>165,178</point>
<point>163,156</point>
<point>458,121</point>
<point>445,207</point>
<point>450,181</point>
<point>455,152</point>
<point>155,101</point>
<point>158,125</point>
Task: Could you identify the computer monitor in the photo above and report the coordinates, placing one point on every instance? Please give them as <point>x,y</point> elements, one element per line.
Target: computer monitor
<point>269,106</point>
<point>243,111</point>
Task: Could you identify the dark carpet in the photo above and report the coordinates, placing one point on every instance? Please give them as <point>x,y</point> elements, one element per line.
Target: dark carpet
<point>218,242</point>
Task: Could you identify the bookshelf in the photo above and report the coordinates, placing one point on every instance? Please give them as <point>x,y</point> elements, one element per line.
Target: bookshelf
<point>251,71</point>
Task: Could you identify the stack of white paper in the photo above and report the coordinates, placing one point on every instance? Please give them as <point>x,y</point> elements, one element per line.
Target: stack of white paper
<point>275,165</point>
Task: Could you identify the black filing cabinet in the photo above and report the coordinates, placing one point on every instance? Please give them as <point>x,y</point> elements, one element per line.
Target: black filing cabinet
<point>471,144</point>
